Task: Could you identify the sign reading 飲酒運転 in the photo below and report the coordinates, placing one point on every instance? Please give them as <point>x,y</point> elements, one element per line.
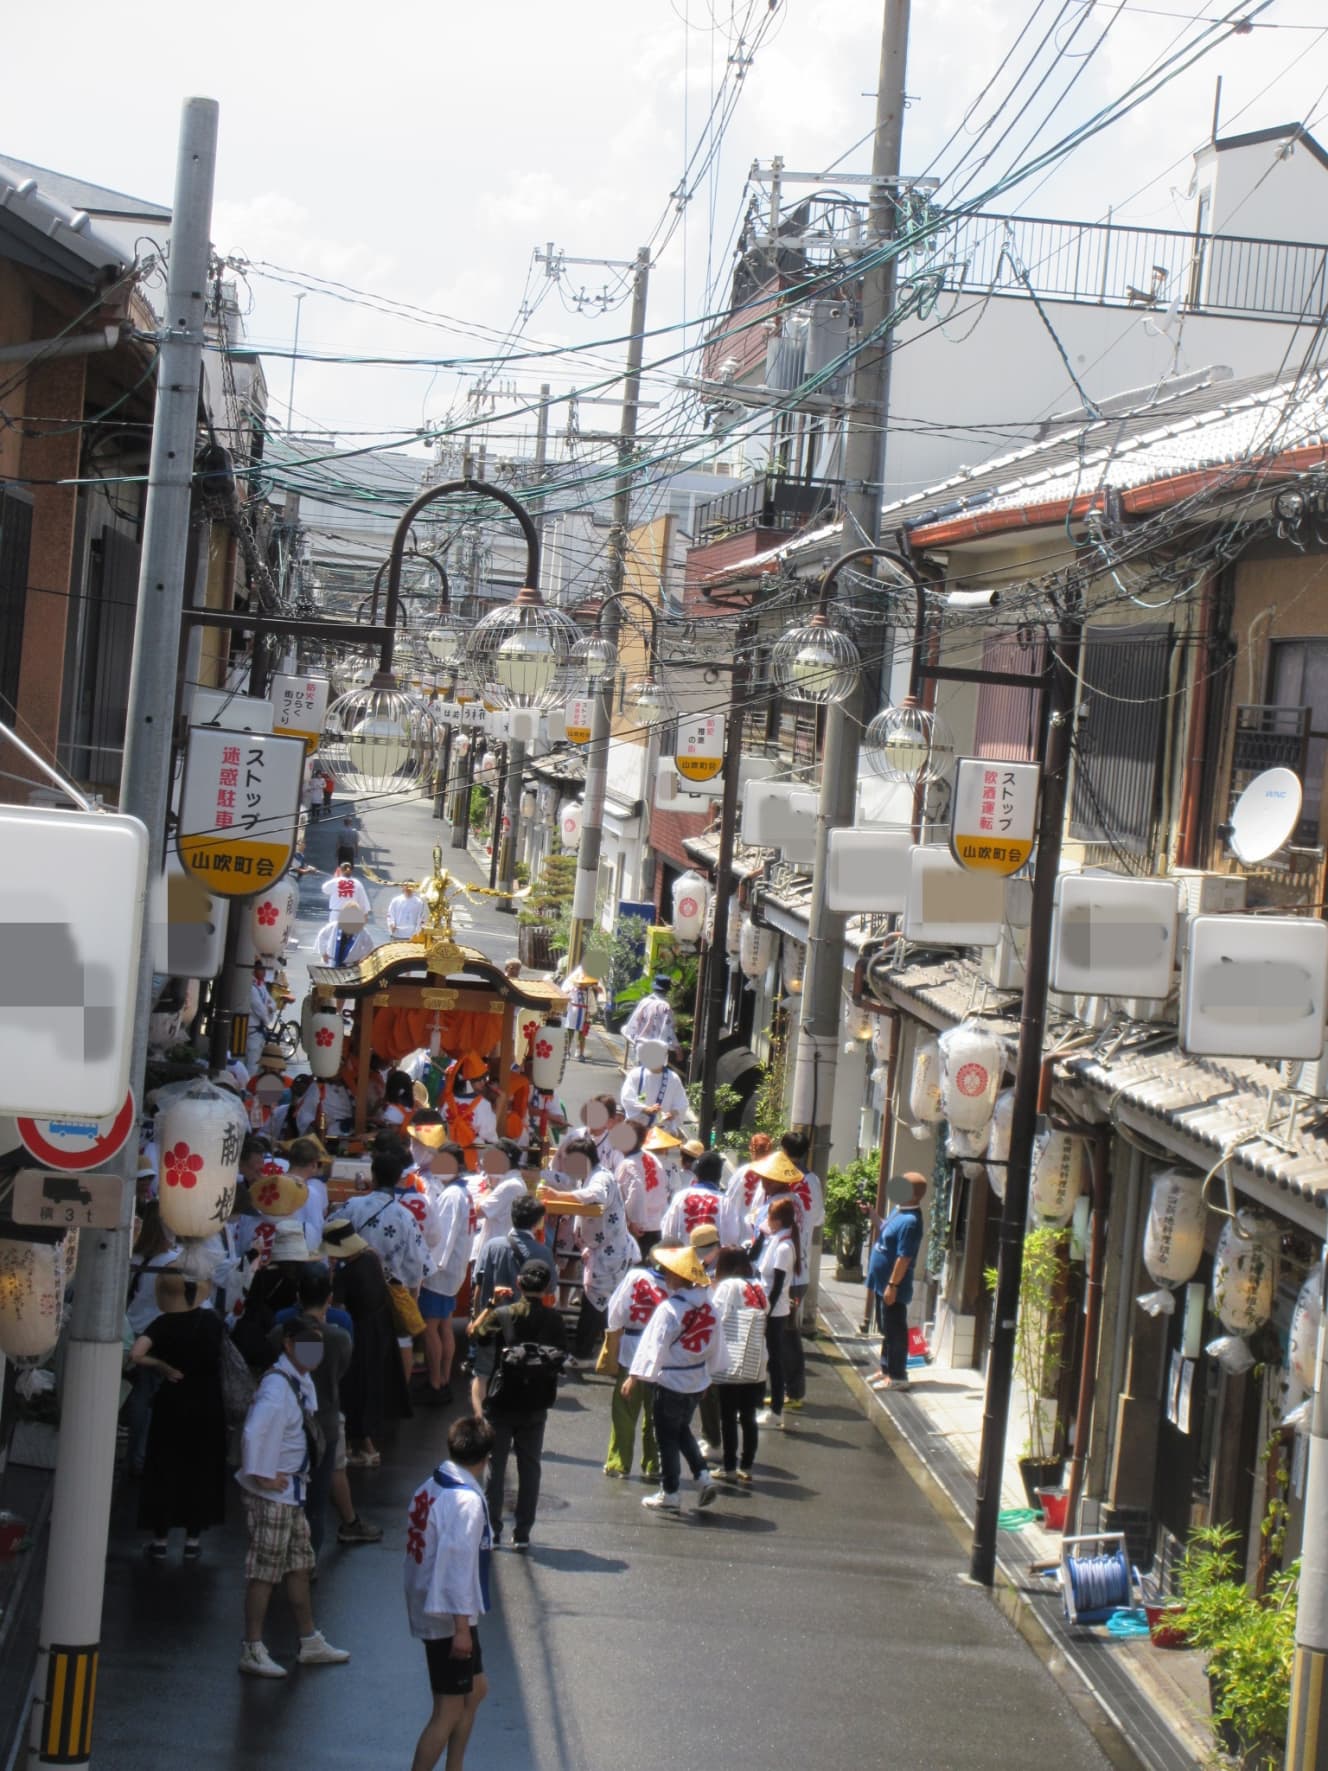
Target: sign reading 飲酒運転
<point>580,712</point>
<point>994,814</point>
<point>239,809</point>
<point>699,755</point>
<point>298,706</point>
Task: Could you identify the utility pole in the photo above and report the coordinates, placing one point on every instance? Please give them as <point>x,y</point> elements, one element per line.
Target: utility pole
<point>516,747</point>
<point>864,475</point>
<point>70,1631</point>
<point>597,755</point>
<point>716,963</point>
<point>1307,1731</point>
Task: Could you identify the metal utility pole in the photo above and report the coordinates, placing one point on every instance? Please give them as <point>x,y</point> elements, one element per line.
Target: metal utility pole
<point>1307,1731</point>
<point>864,475</point>
<point>69,1638</point>
<point>1062,672</point>
<point>597,754</point>
<point>716,964</point>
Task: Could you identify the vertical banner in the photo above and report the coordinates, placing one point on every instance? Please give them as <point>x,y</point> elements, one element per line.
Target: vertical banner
<point>298,706</point>
<point>239,809</point>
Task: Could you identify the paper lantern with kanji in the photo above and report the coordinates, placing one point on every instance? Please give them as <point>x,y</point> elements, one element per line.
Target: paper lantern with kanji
<point>1245,1272</point>
<point>323,1036</point>
<point>691,895</point>
<point>733,929</point>
<point>199,1133</point>
<point>972,1065</point>
<point>32,1290</point>
<point>756,948</point>
<point>924,1090</point>
<point>998,1141</point>
<point>1058,1177</point>
<point>1174,1233</point>
<point>270,918</point>
<point>882,1037</point>
<point>548,1055</point>
<point>528,1023</point>
<point>1303,1342</point>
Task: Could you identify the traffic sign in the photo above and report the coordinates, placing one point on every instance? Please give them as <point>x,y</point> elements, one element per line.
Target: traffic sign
<point>580,714</point>
<point>699,752</point>
<point>74,1145</point>
<point>67,1202</point>
<point>994,814</point>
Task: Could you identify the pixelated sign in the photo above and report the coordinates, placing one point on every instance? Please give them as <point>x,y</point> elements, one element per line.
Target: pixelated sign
<point>239,809</point>
<point>993,814</point>
<point>71,925</point>
<point>299,703</point>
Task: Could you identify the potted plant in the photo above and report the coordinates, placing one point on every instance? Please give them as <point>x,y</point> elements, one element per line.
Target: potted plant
<point>1039,1352</point>
<point>850,1193</point>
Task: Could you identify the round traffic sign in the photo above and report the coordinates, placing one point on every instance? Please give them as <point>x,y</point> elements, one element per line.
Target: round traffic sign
<point>72,1143</point>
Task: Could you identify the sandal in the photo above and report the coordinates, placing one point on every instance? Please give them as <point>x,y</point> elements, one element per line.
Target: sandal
<point>155,1552</point>
<point>192,1549</point>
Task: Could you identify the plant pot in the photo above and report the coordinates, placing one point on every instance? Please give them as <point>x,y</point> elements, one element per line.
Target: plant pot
<point>848,1253</point>
<point>1054,1503</point>
<point>1164,1627</point>
<point>1039,1472</point>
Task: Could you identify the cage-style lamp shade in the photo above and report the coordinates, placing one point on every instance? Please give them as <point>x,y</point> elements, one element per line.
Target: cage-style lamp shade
<point>593,657</point>
<point>377,740</point>
<point>816,663</point>
<point>908,745</point>
<point>518,654</point>
<point>443,644</point>
<point>650,698</point>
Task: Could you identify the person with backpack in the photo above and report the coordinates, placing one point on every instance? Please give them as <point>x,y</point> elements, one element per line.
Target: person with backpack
<point>282,1445</point>
<point>531,1351</point>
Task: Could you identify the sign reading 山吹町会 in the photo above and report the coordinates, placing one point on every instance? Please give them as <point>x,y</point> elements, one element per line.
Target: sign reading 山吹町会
<point>993,815</point>
<point>239,809</point>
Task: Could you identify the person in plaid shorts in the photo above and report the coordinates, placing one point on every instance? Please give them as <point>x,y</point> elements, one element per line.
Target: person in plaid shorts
<point>279,1447</point>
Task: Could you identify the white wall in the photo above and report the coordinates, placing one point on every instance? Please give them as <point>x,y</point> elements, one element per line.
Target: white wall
<point>1270,190</point>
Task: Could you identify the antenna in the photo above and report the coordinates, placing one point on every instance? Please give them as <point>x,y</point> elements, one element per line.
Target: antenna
<point>1265,815</point>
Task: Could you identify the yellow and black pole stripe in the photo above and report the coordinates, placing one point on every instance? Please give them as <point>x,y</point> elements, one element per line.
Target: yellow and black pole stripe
<point>71,1692</point>
<point>1307,1733</point>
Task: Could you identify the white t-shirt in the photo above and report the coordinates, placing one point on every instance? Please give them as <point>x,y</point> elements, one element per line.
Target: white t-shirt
<point>345,889</point>
<point>448,1542</point>
<point>740,1196</point>
<point>777,1256</point>
<point>491,1207</point>
<point>644,1089</point>
<point>737,1302</point>
<point>682,1347</point>
<point>274,1442</point>
<point>313,1214</point>
<point>453,1203</point>
<point>405,916</point>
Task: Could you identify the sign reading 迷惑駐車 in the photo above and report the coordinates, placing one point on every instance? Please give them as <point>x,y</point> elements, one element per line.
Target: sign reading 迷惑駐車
<point>239,809</point>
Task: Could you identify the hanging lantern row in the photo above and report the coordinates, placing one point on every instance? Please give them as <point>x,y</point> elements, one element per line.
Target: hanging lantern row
<point>756,949</point>
<point>972,1065</point>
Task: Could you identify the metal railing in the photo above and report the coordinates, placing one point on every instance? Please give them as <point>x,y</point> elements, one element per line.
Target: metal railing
<point>1119,266</point>
<point>768,502</point>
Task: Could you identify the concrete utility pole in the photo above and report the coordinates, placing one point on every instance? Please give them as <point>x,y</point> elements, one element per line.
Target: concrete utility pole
<point>510,849</point>
<point>69,1638</point>
<point>864,475</point>
<point>597,755</point>
<point>1307,1731</point>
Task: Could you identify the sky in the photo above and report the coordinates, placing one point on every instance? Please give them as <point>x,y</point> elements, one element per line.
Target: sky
<point>425,152</point>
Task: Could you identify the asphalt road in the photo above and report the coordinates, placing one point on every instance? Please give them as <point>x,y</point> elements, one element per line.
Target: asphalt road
<point>817,1619</point>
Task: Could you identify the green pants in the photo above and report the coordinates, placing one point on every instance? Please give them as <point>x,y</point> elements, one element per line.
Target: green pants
<point>624,1413</point>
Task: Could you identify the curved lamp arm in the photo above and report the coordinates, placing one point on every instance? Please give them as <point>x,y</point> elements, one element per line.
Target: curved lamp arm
<point>825,594</point>
<point>398,550</point>
<point>621,597</point>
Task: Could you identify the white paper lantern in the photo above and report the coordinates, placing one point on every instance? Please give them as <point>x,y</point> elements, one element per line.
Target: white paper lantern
<point>924,1089</point>
<point>198,1134</point>
<point>323,1036</point>
<point>569,823</point>
<point>529,1022</point>
<point>733,929</point>
<point>792,964</point>
<point>998,1140</point>
<point>548,1056</point>
<point>1245,1272</point>
<point>691,895</point>
<point>32,1289</point>
<point>1303,1342</point>
<point>270,918</point>
<point>968,1148</point>
<point>756,950</point>
<point>1174,1233</point>
<point>1057,1180</point>
<point>972,1065</point>
<point>882,1037</point>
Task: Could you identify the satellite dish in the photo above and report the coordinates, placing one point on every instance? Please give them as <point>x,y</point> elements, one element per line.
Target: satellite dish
<point>1265,815</point>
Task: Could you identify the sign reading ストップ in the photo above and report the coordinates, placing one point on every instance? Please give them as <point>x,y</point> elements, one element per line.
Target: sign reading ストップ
<point>994,814</point>
<point>239,809</point>
<point>580,711</point>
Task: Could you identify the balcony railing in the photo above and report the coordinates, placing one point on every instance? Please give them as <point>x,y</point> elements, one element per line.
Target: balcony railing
<point>1119,266</point>
<point>768,502</point>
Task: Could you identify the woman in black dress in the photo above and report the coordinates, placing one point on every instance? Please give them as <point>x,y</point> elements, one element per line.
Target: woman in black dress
<point>374,1388</point>
<point>184,1473</point>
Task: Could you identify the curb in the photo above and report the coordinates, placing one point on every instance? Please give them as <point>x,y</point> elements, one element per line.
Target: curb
<point>1090,1705</point>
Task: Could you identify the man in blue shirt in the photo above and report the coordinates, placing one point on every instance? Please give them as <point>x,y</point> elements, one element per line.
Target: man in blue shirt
<point>890,1278</point>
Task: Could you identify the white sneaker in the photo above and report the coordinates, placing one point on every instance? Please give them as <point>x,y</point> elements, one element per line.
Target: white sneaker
<point>705,1448</point>
<point>706,1492</point>
<point>767,1418</point>
<point>316,1651</point>
<point>258,1663</point>
<point>659,1502</point>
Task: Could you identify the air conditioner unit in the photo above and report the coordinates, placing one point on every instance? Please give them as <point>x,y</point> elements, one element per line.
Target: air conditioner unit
<point>1003,964</point>
<point>1163,1013</point>
<point>1208,894</point>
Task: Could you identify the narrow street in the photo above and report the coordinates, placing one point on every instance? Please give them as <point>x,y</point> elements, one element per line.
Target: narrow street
<point>817,1618</point>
